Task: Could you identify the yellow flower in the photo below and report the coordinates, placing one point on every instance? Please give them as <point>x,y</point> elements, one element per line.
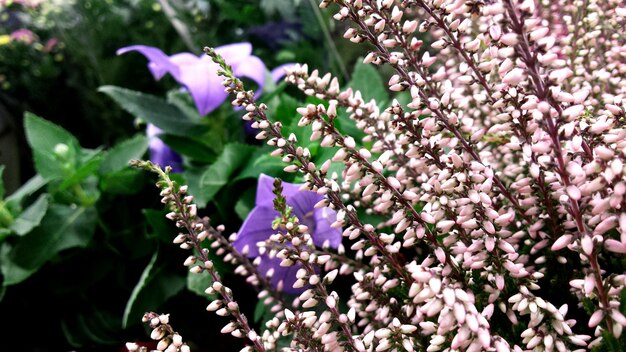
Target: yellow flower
<point>5,39</point>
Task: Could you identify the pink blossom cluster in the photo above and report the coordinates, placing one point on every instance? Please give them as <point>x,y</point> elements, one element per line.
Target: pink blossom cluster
<point>502,182</point>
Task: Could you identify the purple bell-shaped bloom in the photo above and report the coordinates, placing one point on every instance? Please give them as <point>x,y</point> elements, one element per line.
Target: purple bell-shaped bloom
<point>198,74</point>
<point>258,228</point>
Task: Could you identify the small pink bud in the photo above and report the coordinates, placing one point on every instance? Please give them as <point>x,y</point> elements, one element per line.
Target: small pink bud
<point>562,242</point>
<point>514,77</point>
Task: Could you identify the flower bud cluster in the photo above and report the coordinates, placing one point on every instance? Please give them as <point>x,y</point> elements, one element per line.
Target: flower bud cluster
<point>195,231</point>
<point>499,173</point>
<point>167,339</point>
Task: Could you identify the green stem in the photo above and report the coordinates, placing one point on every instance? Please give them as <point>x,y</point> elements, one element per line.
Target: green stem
<point>6,218</point>
<point>329,39</point>
<point>83,198</point>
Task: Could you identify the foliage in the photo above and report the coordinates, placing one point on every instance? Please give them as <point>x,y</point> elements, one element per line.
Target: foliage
<point>471,153</point>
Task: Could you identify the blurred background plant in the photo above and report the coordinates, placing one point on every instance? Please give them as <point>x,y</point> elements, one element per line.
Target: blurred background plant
<point>84,247</point>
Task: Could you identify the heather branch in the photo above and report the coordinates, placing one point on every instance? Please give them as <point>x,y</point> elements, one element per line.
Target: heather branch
<point>300,240</point>
<point>288,147</point>
<point>410,81</point>
<point>168,339</point>
<point>249,269</point>
<point>552,125</point>
<point>185,215</point>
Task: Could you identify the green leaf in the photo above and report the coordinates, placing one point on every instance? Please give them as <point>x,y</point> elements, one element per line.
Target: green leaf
<point>157,111</point>
<point>197,283</point>
<point>262,312</point>
<point>43,136</point>
<point>61,228</point>
<point>325,154</point>
<point>155,286</point>
<point>184,101</point>
<point>191,147</point>
<point>117,158</point>
<point>367,80</point>
<point>31,186</point>
<point>220,173</point>
<point>126,181</point>
<point>90,328</point>
<point>89,168</point>
<point>347,127</point>
<point>4,233</point>
<point>261,162</point>
<point>159,226</point>
<point>259,311</point>
<point>31,217</point>
<point>245,203</point>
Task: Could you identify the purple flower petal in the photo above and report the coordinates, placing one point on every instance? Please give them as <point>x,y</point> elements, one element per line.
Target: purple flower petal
<point>160,153</point>
<point>303,203</point>
<point>280,71</point>
<point>235,53</point>
<point>159,63</point>
<point>323,218</point>
<point>265,191</point>
<point>199,76</point>
<point>256,228</point>
<point>254,69</point>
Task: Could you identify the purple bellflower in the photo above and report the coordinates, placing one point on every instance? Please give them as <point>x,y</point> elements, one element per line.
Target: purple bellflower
<point>258,227</point>
<point>198,74</point>
<point>160,153</point>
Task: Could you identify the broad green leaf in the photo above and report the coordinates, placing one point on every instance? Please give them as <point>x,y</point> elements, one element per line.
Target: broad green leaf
<point>91,328</point>
<point>286,8</point>
<point>325,154</point>
<point>117,157</point>
<point>61,228</point>
<point>88,169</point>
<point>286,110</point>
<point>245,203</point>
<point>190,147</point>
<point>49,167</point>
<point>197,283</point>
<point>222,170</point>
<point>259,311</point>
<point>44,137</point>
<point>31,217</point>
<point>157,111</point>
<point>31,186</point>
<point>261,162</point>
<point>143,281</point>
<point>4,233</point>
<point>183,101</point>
<point>347,127</point>
<point>367,80</point>
<point>155,286</point>
<point>159,226</point>
<point>126,181</point>
<point>192,176</point>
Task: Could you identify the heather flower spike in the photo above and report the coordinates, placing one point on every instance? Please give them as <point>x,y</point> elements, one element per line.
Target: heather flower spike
<point>258,227</point>
<point>501,185</point>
